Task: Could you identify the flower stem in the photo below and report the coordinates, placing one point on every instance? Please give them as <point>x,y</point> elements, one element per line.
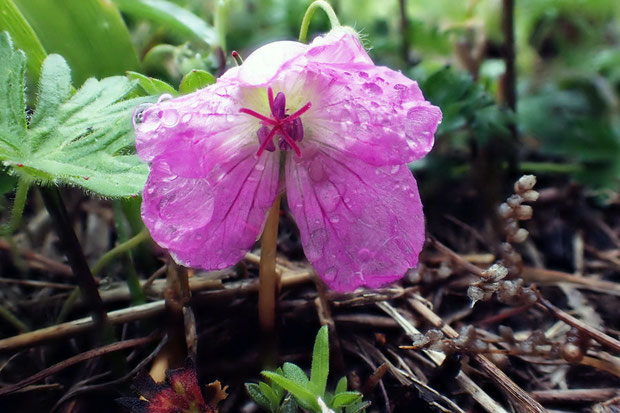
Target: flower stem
<point>327,8</point>
<point>18,206</point>
<point>118,250</point>
<point>268,285</point>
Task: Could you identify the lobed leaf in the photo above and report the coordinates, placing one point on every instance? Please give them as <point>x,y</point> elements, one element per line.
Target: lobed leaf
<point>85,139</point>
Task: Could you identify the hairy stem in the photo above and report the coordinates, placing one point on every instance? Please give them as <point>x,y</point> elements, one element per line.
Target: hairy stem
<point>21,195</point>
<point>269,284</point>
<point>327,8</point>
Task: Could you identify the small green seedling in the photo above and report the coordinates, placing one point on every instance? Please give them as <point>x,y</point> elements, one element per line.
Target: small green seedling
<point>290,387</point>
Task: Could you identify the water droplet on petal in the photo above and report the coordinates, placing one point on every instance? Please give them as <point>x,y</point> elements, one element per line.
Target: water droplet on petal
<point>364,254</point>
<point>164,97</point>
<point>316,171</point>
<point>373,88</point>
<point>314,246</point>
<point>334,219</point>
<point>331,273</point>
<point>170,118</point>
<point>186,118</point>
<point>394,169</point>
<point>259,167</point>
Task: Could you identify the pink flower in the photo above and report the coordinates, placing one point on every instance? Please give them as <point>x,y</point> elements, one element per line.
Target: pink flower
<point>319,120</point>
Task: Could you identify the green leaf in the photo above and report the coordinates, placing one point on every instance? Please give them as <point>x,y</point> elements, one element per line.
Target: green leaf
<point>255,393</point>
<point>89,34</point>
<point>270,394</point>
<point>85,140</point>
<point>342,385</point>
<point>194,80</point>
<point>12,103</point>
<point>25,38</point>
<point>306,398</point>
<point>151,85</point>
<point>345,398</point>
<point>169,15</point>
<point>320,361</point>
<point>295,373</point>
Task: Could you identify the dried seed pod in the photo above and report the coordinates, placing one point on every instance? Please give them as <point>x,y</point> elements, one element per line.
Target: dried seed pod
<point>514,200</point>
<point>519,236</point>
<point>530,196</point>
<point>524,212</point>
<point>505,210</point>
<point>525,183</point>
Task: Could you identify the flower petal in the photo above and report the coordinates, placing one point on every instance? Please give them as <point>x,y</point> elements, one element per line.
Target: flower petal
<point>359,225</point>
<point>340,46</point>
<point>368,112</point>
<point>265,63</point>
<point>208,116</point>
<point>209,221</point>
<point>207,196</point>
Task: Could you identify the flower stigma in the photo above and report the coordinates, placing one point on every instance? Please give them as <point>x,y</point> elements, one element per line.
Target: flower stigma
<point>288,127</point>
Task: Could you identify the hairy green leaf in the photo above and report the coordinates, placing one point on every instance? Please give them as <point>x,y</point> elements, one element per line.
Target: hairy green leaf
<point>255,393</point>
<point>84,139</point>
<point>320,361</point>
<point>12,116</point>
<point>295,373</point>
<point>306,398</point>
<point>342,385</point>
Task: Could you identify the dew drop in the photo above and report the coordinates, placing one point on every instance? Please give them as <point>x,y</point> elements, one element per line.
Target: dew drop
<point>186,118</point>
<point>316,171</point>
<point>259,167</point>
<point>364,254</point>
<point>334,219</point>
<point>170,118</point>
<point>314,247</point>
<point>164,97</point>
<point>331,273</point>
<point>373,88</point>
<point>363,75</point>
<point>394,169</point>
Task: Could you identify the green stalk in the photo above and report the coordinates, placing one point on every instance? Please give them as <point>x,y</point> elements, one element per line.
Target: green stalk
<point>21,194</point>
<point>13,320</point>
<point>327,8</point>
<point>119,250</point>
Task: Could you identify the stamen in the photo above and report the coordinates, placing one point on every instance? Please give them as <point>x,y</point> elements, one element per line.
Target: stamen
<point>259,116</point>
